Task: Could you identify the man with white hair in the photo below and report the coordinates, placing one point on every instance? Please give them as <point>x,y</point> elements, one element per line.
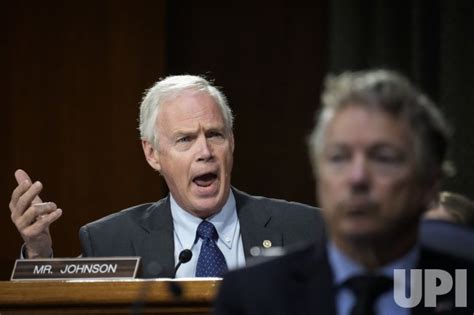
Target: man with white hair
<point>186,131</point>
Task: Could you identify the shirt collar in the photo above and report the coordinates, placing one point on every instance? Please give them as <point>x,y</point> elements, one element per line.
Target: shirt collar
<point>225,221</point>
<point>344,267</point>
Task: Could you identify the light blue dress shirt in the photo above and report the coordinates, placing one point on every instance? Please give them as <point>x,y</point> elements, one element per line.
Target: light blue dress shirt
<point>227,226</point>
<point>343,268</point>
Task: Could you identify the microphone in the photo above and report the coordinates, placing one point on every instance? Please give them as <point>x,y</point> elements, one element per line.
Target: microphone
<point>184,257</point>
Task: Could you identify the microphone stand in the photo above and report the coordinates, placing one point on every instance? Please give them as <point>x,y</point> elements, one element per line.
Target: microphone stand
<point>137,307</point>
<point>183,258</point>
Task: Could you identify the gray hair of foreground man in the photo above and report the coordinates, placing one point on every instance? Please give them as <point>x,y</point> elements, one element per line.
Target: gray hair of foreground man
<point>389,92</point>
<point>169,88</point>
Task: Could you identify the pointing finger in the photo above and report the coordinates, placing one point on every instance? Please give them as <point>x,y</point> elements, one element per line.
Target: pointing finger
<point>20,205</point>
<point>21,176</point>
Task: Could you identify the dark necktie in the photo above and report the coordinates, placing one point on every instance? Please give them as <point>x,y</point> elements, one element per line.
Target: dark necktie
<point>366,289</point>
<point>211,261</point>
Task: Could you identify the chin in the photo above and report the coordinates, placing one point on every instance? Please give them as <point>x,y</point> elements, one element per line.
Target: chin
<point>208,207</point>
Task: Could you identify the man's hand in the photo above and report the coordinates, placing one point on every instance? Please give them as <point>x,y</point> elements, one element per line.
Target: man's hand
<point>32,217</point>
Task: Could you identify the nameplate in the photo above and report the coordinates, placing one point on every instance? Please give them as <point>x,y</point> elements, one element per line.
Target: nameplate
<point>75,268</point>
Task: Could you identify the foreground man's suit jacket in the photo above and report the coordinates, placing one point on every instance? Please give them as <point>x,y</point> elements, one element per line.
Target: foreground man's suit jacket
<point>147,230</point>
<point>301,283</point>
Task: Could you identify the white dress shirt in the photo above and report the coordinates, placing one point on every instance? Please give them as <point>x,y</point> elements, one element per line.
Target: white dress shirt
<point>227,226</point>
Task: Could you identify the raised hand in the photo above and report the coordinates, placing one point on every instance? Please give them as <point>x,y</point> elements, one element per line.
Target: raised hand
<point>32,216</point>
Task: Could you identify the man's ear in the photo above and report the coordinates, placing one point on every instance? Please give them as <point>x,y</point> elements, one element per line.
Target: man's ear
<point>151,155</point>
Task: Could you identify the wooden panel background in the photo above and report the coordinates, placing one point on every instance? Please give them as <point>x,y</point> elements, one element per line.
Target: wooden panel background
<point>270,59</point>
<point>73,75</point>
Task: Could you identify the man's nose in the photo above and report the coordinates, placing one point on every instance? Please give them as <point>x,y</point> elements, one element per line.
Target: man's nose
<point>359,174</point>
<point>204,149</point>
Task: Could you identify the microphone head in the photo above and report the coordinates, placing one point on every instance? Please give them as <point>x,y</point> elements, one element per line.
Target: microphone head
<point>185,256</point>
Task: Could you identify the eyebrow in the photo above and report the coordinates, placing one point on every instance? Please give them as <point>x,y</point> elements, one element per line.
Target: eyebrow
<point>181,133</point>
<point>371,147</point>
<point>190,132</point>
<point>387,146</point>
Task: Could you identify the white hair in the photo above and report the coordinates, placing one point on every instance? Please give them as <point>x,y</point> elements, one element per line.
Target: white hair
<point>169,88</point>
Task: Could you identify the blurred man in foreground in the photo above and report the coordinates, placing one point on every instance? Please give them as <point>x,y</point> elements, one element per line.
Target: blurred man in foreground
<point>377,150</point>
<point>186,129</point>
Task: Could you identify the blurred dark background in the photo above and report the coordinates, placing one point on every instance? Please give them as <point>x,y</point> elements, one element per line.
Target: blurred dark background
<point>73,74</point>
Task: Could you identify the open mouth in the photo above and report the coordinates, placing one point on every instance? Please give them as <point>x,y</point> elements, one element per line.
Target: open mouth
<point>205,180</point>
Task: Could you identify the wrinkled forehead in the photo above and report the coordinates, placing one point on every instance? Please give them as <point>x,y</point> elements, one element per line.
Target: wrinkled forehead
<point>190,109</point>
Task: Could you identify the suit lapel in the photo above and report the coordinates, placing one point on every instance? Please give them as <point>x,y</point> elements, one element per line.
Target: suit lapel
<point>254,220</point>
<point>157,246</point>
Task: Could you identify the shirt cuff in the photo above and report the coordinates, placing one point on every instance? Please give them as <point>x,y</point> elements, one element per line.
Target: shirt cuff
<point>23,252</point>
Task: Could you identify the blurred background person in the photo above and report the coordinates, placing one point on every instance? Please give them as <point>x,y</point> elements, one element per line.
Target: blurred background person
<point>448,226</point>
<point>453,207</point>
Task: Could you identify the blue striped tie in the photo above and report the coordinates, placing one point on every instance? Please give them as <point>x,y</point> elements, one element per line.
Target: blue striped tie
<point>211,261</point>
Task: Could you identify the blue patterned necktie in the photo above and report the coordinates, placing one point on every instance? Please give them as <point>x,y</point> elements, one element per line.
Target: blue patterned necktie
<point>211,261</point>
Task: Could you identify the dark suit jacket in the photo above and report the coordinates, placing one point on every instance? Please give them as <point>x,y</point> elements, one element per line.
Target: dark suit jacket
<point>301,283</point>
<point>147,230</point>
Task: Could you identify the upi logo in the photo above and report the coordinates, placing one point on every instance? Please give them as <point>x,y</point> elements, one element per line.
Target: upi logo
<point>437,282</point>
